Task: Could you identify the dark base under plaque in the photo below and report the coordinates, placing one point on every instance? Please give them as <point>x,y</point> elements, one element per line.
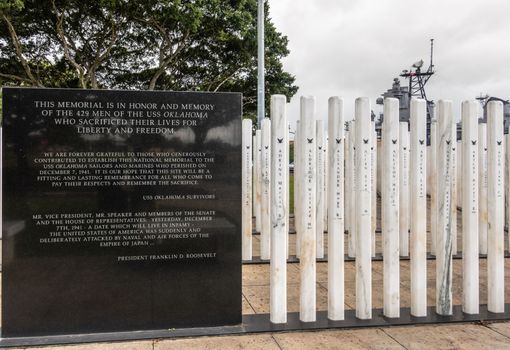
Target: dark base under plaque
<point>260,323</point>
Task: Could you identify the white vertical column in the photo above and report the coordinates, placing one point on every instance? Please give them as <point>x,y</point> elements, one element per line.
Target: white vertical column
<point>308,246</point>
<point>298,175</point>
<point>418,194</point>
<point>373,175</point>
<point>507,180</point>
<point>404,189</point>
<point>279,209</point>
<point>347,183</point>
<point>454,189</point>
<point>390,203</point>
<point>351,244</point>
<point>444,219</point>
<point>433,186</point>
<point>335,209</point>
<point>482,183</point>
<point>287,198</point>
<point>428,169</point>
<point>470,270</point>
<point>507,183</point>
<point>379,167</point>
<point>257,176</point>
<point>495,208</point>
<point>319,206</point>
<point>247,218</point>
<point>363,210</point>
<point>460,157</point>
<point>458,189</point>
<point>325,182</point>
<point>265,233</point>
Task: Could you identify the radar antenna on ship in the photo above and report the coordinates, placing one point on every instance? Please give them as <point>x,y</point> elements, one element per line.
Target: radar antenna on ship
<point>418,78</point>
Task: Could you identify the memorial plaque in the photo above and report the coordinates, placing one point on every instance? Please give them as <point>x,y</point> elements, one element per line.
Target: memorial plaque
<point>121,210</point>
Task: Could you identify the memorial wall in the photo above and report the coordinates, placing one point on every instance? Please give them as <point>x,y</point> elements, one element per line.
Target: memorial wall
<point>121,210</point>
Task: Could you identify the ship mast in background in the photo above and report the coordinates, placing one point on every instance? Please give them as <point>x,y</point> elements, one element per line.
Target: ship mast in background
<point>417,80</point>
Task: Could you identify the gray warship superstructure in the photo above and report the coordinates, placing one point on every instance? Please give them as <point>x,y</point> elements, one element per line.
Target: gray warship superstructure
<point>416,81</point>
<point>484,100</point>
<point>415,87</point>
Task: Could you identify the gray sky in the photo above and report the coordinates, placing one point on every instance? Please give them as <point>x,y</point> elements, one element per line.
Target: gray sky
<point>353,48</point>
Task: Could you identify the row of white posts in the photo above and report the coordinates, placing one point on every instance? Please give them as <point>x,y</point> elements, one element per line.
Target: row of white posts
<point>345,184</point>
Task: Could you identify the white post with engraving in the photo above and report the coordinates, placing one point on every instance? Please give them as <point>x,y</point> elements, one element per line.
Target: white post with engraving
<point>373,175</point>
<point>470,269</point>
<point>351,244</point>
<point>444,225</point>
<point>307,261</point>
<point>459,182</point>
<point>404,189</point>
<point>507,182</point>
<point>247,218</point>
<point>433,186</point>
<point>319,206</point>
<point>347,183</point>
<point>453,207</point>
<point>279,209</point>
<point>265,233</point>
<point>298,175</point>
<point>363,216</point>
<point>257,177</point>
<point>495,208</point>
<point>390,205</point>
<point>482,183</point>
<point>287,176</point>
<point>418,198</point>
<point>287,200</point>
<point>335,209</point>
<point>325,182</point>
<point>459,176</point>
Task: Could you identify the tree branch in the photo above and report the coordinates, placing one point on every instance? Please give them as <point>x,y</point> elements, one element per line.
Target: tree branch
<point>15,77</point>
<point>19,52</point>
<point>248,100</point>
<point>226,79</point>
<point>67,54</point>
<point>165,62</point>
<point>100,57</point>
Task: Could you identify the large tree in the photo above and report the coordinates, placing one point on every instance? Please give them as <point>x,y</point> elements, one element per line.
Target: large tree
<point>202,45</point>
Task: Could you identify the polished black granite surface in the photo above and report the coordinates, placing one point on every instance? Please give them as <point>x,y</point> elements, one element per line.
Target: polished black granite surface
<point>121,211</point>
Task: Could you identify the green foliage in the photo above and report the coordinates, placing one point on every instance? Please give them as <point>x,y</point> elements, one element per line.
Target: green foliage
<point>183,45</point>
<point>11,5</point>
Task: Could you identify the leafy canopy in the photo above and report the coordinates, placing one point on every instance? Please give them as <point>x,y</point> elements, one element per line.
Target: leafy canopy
<point>199,45</point>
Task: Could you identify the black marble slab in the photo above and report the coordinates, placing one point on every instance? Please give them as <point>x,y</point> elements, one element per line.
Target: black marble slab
<point>124,211</point>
